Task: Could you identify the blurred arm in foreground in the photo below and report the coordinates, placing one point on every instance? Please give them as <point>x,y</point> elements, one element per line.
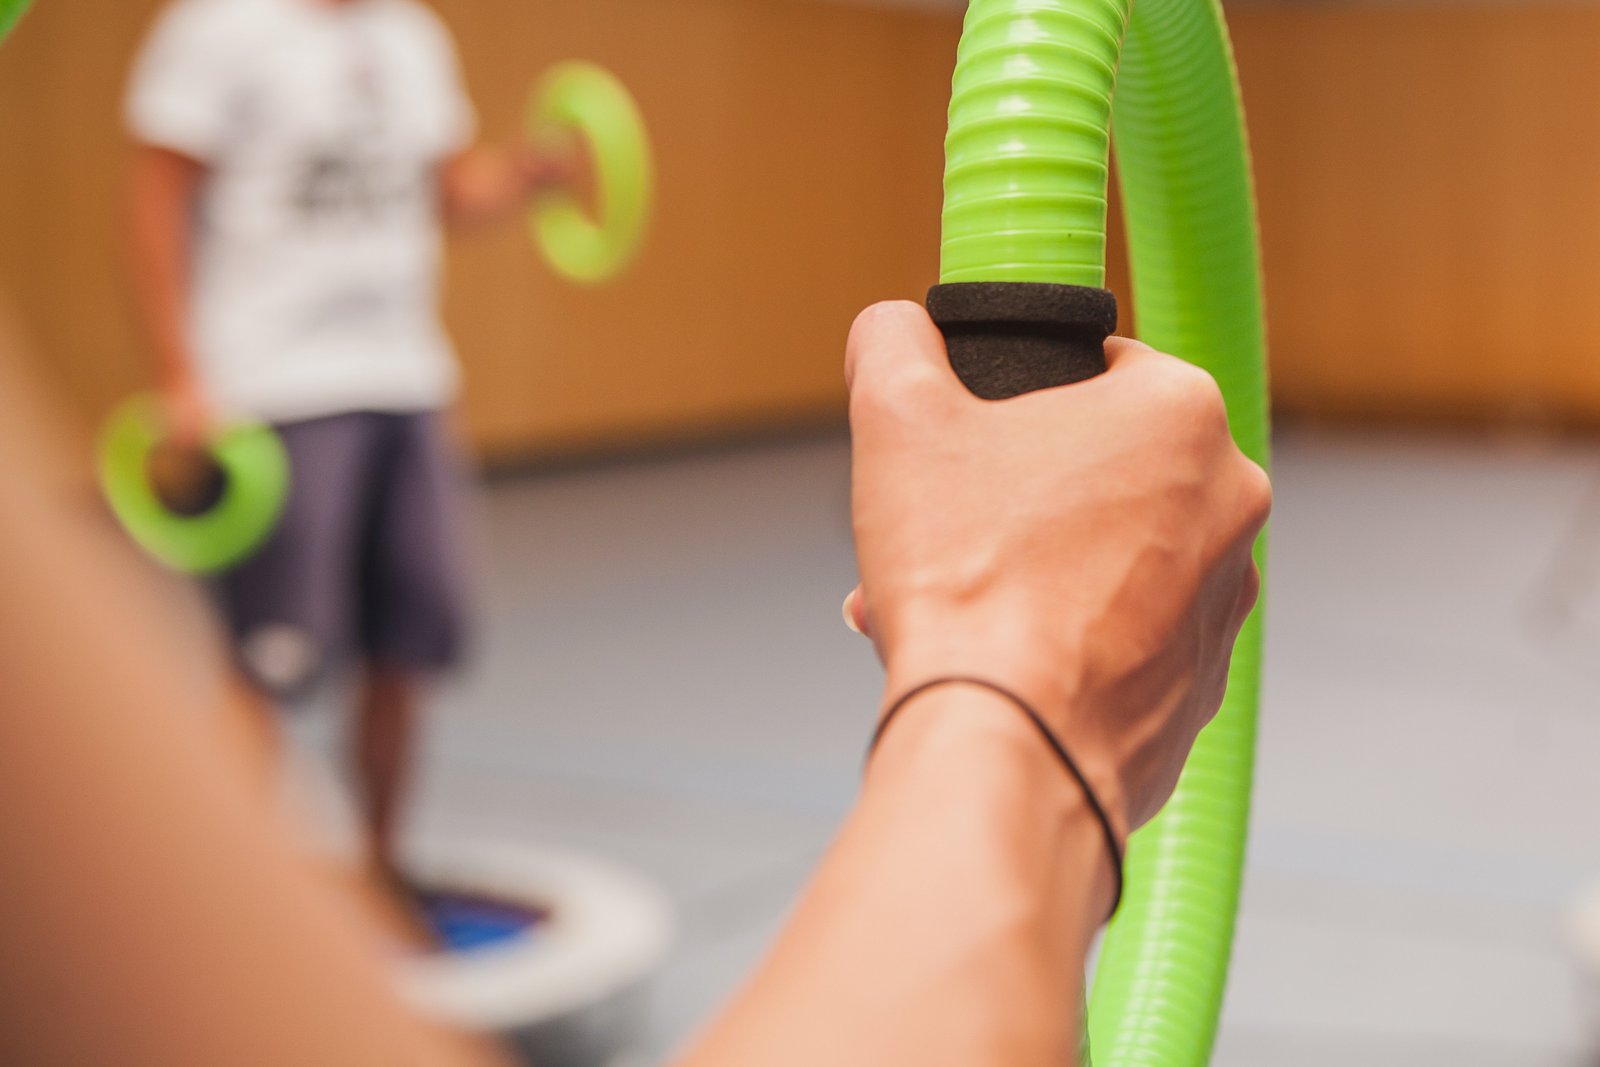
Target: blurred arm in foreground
<point>157,909</point>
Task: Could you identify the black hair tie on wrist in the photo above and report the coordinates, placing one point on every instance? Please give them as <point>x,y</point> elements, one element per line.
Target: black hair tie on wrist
<point>1050,738</point>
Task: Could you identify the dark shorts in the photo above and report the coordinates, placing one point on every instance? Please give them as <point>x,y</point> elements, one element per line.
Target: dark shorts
<point>368,561</point>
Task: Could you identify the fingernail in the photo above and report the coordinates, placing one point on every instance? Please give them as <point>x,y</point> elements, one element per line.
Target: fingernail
<point>850,614</point>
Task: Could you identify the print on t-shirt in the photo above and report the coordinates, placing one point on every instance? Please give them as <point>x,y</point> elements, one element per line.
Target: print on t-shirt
<point>356,178</point>
<point>317,234</point>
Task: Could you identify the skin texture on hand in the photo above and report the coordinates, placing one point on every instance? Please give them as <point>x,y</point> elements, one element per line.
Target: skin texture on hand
<point>556,158</point>
<point>1087,546</point>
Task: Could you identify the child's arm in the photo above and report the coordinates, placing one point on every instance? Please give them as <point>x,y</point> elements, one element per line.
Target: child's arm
<point>163,185</point>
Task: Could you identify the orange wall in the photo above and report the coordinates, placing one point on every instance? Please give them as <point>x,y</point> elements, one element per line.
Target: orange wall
<point>1428,181</point>
<point>799,160</point>
<point>1430,199</point>
<point>800,163</point>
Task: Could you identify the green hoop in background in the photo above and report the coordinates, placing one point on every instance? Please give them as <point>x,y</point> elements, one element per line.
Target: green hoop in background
<point>591,102</point>
<point>1025,200</point>
<point>10,12</point>
<point>256,469</point>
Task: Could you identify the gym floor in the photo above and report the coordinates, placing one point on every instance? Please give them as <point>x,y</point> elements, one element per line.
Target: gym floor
<point>664,680</point>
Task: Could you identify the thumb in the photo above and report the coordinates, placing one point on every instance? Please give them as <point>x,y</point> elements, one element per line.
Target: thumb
<point>855,613</point>
<point>896,343</point>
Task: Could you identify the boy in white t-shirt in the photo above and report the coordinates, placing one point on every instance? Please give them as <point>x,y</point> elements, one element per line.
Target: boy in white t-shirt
<point>295,161</point>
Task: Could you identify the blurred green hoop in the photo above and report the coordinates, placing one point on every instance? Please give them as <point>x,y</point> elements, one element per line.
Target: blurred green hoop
<point>256,469</point>
<point>1027,163</point>
<point>10,12</point>
<point>591,102</point>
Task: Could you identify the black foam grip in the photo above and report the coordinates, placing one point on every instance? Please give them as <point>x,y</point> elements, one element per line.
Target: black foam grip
<point>1010,338</point>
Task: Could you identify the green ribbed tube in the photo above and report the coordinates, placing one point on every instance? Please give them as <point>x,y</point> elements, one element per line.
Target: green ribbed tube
<point>1025,200</point>
<point>10,12</point>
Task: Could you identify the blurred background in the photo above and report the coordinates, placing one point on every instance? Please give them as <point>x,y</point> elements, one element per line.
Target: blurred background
<point>662,677</point>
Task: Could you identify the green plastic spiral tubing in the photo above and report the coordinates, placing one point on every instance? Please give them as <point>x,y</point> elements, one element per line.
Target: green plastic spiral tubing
<point>1025,200</point>
<point>10,12</point>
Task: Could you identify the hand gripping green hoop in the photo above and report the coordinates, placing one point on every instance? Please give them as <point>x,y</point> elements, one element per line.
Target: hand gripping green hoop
<point>10,12</point>
<point>257,471</point>
<point>591,101</point>
<point>1025,200</point>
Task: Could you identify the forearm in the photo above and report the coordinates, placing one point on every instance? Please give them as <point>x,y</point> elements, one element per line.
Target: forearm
<point>152,882</point>
<point>949,923</point>
<point>161,193</point>
<point>484,185</point>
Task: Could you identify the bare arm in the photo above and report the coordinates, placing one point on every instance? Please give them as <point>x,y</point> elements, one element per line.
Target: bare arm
<point>1087,548</point>
<point>157,911</point>
<point>163,186</point>
<point>487,183</point>
<point>949,923</point>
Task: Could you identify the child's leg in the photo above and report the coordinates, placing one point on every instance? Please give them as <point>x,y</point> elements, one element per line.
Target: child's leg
<point>385,737</point>
<point>413,594</point>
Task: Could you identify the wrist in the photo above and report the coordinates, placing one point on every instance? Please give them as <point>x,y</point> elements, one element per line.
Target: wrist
<point>979,752</point>
<point>1000,648</point>
<point>997,642</point>
<point>545,162</point>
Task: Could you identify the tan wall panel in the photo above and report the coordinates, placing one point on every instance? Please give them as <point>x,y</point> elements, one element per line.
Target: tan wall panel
<point>1429,178</point>
<point>799,158</point>
<point>1430,200</point>
<point>61,158</point>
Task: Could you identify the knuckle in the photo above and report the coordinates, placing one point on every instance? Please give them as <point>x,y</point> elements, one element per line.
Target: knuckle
<point>1252,594</point>
<point>1257,490</point>
<point>1191,392</point>
<point>1203,395</point>
<point>1249,593</point>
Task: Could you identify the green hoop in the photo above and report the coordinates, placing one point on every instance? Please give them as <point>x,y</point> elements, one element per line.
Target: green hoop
<point>591,102</point>
<point>10,12</point>
<point>1027,159</point>
<point>253,461</point>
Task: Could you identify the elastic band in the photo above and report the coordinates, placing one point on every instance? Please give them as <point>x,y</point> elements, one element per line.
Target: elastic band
<point>1050,738</point>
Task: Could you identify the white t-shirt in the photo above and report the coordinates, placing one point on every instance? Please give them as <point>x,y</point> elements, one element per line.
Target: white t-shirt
<point>315,282</point>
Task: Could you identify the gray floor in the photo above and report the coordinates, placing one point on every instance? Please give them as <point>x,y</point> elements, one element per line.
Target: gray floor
<point>665,681</point>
